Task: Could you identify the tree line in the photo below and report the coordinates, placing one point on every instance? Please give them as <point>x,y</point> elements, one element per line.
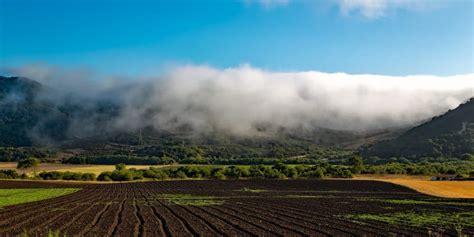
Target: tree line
<point>278,170</point>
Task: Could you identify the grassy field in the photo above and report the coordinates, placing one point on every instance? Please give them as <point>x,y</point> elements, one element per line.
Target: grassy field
<point>96,169</point>
<point>447,189</point>
<point>16,196</point>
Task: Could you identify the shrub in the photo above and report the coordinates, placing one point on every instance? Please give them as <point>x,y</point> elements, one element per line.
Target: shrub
<point>154,173</point>
<point>217,173</point>
<point>286,170</point>
<point>105,176</point>
<point>53,175</point>
<point>236,172</point>
<point>291,172</point>
<point>315,173</point>
<point>342,173</point>
<point>180,175</point>
<point>88,177</point>
<point>136,174</point>
<point>56,175</point>
<point>9,174</point>
<point>120,167</point>
<point>272,173</point>
<point>71,176</point>
<point>121,176</point>
<point>257,171</point>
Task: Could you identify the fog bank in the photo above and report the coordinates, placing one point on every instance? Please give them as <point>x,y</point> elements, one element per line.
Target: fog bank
<point>239,100</point>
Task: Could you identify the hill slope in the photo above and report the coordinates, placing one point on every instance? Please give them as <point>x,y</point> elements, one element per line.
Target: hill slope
<point>23,117</point>
<point>448,135</point>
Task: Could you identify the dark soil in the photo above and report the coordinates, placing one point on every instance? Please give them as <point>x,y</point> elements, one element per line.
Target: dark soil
<point>249,208</point>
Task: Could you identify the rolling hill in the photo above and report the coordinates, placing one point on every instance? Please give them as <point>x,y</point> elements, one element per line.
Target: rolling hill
<point>447,135</point>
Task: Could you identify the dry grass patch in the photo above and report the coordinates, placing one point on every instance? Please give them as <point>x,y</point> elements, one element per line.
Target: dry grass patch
<point>447,189</point>
<point>96,169</point>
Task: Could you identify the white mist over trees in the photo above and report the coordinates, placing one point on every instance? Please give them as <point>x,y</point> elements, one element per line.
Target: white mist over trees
<point>240,100</point>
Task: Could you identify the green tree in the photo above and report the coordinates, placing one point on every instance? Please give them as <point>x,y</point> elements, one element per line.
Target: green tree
<point>256,171</point>
<point>120,167</point>
<point>218,173</point>
<point>357,164</point>
<point>29,163</point>
<point>316,172</point>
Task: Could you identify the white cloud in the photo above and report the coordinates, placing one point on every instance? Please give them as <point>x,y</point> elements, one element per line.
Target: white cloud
<point>371,9</point>
<point>377,8</point>
<point>238,99</point>
<point>268,3</point>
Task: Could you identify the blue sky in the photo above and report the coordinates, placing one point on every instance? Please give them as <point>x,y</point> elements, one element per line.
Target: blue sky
<point>140,37</point>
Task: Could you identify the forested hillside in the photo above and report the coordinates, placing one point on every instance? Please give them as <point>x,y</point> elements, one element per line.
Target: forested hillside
<point>448,135</point>
<point>24,117</point>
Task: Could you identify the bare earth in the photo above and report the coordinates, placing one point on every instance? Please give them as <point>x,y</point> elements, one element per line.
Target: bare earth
<point>447,189</point>
<point>297,207</point>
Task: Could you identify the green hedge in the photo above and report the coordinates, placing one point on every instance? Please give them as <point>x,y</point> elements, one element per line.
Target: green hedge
<point>56,175</point>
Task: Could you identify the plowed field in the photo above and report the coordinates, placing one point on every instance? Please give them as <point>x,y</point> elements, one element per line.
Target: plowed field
<point>232,208</point>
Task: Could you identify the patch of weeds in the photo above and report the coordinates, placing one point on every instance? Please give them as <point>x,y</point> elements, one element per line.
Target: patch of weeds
<point>190,200</point>
<point>406,201</point>
<point>251,190</point>
<point>422,202</point>
<point>357,222</point>
<point>23,234</point>
<point>458,226</point>
<point>52,233</point>
<point>365,199</point>
<point>415,202</point>
<point>455,220</point>
<point>306,196</point>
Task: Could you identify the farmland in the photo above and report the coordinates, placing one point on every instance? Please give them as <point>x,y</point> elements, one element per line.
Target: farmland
<point>96,169</point>
<point>237,208</point>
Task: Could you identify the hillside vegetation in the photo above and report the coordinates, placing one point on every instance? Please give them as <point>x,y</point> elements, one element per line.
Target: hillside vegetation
<point>448,135</point>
